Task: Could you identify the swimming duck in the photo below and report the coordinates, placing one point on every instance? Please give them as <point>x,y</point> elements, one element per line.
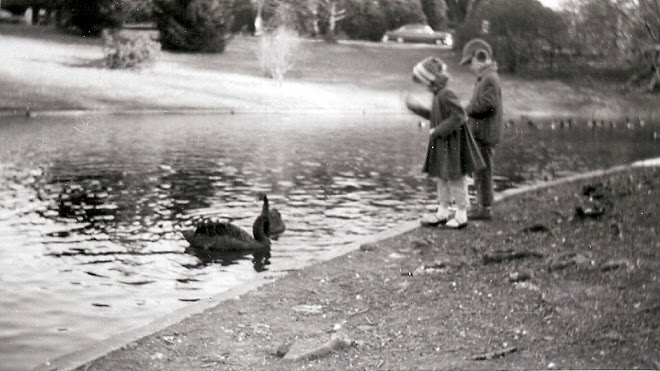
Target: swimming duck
<point>277,226</point>
<point>224,236</point>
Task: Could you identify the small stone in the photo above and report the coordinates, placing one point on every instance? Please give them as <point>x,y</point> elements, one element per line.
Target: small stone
<point>283,349</point>
<point>615,264</point>
<point>369,246</point>
<point>552,365</point>
<point>308,309</point>
<point>396,255</point>
<point>420,243</point>
<point>519,276</point>
<point>613,336</point>
<point>527,285</point>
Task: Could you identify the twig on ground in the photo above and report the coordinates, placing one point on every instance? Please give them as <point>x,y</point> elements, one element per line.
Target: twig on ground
<point>503,256</point>
<point>365,310</point>
<point>494,354</point>
<point>335,343</point>
<point>650,309</point>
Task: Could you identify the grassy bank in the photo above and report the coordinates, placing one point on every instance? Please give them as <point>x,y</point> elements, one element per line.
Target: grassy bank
<point>544,286</point>
<point>51,71</point>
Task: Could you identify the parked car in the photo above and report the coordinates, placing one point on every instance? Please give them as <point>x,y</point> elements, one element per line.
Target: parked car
<point>419,33</point>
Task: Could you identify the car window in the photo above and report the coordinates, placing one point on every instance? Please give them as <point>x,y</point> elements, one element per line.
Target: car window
<point>420,28</point>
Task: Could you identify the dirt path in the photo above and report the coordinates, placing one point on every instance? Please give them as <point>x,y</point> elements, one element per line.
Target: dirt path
<point>544,286</point>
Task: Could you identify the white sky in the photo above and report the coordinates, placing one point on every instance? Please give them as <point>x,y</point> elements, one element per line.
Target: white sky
<point>554,4</point>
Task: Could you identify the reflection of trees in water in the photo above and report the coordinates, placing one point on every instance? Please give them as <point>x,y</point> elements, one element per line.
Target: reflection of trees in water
<point>116,197</point>
<point>545,154</point>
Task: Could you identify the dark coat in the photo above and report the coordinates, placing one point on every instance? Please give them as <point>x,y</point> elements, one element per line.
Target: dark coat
<point>485,107</point>
<point>452,151</point>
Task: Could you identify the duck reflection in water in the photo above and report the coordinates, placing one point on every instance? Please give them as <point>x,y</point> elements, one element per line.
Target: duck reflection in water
<point>260,258</point>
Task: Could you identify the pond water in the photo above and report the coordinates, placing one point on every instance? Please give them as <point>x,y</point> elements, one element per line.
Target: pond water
<point>91,207</point>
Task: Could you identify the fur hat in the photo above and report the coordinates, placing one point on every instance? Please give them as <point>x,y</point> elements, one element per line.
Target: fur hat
<point>430,70</point>
<point>473,47</point>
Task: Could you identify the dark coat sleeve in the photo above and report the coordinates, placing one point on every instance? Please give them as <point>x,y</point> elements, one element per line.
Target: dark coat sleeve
<point>454,114</point>
<point>485,99</point>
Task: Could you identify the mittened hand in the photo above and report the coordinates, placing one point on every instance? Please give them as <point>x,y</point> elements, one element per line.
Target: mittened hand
<point>419,104</point>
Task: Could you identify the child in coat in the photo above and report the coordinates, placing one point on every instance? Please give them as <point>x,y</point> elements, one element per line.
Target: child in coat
<point>485,114</point>
<point>452,153</point>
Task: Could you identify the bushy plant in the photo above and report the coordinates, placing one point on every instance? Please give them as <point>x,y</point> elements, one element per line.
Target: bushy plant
<point>400,12</point>
<point>278,51</point>
<point>194,25</point>
<point>244,13</point>
<point>368,20</point>
<point>520,31</point>
<point>365,20</point>
<point>92,16</point>
<point>123,50</point>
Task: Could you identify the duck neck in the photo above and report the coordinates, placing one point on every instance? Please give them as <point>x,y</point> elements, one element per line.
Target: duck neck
<point>259,229</point>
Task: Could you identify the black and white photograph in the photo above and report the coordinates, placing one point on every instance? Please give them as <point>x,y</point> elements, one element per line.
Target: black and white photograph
<point>329,185</point>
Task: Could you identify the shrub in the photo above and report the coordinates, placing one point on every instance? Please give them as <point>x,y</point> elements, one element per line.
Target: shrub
<point>368,20</point>
<point>89,16</point>
<point>194,25</point>
<point>520,31</point>
<point>92,16</point>
<point>400,12</point>
<point>244,14</point>
<point>123,50</point>
<point>277,52</point>
<point>365,20</point>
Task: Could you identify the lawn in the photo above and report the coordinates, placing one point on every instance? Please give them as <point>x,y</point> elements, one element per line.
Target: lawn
<point>51,71</point>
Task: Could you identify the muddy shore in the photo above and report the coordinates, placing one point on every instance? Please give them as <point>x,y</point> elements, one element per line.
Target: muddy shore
<point>546,285</point>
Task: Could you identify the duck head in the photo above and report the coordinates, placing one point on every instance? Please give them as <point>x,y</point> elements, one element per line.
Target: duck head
<point>264,209</point>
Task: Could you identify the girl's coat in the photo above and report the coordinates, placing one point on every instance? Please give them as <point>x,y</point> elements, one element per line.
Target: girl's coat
<point>452,151</point>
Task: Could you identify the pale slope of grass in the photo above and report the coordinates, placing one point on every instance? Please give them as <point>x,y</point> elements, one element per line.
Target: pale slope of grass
<point>52,71</point>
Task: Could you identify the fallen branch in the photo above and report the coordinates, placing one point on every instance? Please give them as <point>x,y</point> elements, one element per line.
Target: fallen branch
<point>494,354</point>
<point>536,228</point>
<point>503,256</point>
<point>336,342</point>
<point>650,309</point>
<point>361,311</point>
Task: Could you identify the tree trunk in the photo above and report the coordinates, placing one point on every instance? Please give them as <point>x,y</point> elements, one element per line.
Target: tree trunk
<point>258,20</point>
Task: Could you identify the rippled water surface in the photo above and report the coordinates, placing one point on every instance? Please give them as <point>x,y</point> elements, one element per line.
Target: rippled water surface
<point>91,207</point>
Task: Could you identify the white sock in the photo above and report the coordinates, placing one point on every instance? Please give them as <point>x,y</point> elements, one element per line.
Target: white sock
<point>443,199</point>
<point>461,216</point>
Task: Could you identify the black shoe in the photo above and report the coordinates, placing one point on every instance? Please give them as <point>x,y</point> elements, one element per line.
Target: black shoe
<point>482,213</point>
<point>432,221</point>
<point>455,224</point>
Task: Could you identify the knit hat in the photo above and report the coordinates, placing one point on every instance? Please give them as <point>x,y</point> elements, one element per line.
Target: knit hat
<point>429,70</point>
<point>473,47</point>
